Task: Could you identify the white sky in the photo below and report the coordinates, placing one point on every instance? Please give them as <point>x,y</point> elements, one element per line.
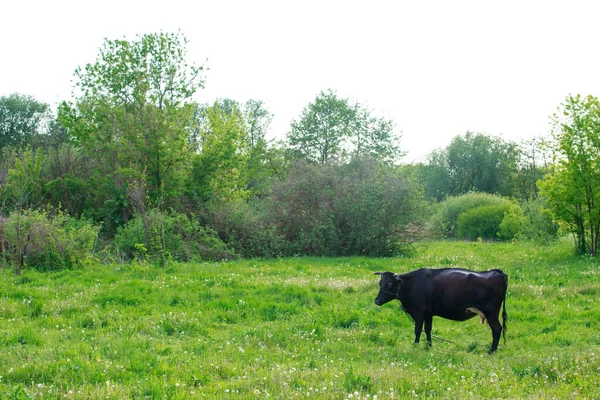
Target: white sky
<point>437,68</point>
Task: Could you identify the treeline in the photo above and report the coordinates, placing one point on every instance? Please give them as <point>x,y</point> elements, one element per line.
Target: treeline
<point>134,169</point>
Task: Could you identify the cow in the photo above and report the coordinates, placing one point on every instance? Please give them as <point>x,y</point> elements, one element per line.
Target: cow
<point>452,293</point>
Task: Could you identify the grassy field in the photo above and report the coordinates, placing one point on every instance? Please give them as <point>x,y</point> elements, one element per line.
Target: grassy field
<point>296,328</point>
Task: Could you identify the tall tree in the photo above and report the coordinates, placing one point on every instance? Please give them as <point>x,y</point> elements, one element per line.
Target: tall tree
<point>219,171</point>
<point>373,136</point>
<point>573,187</point>
<point>332,129</point>
<point>532,166</point>
<point>474,161</point>
<point>134,112</point>
<point>323,126</point>
<point>22,118</point>
<point>258,119</point>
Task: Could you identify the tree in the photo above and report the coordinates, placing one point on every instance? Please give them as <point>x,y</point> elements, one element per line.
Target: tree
<point>332,129</point>
<point>372,136</point>
<point>532,166</point>
<point>134,112</point>
<point>219,171</point>
<point>473,161</point>
<point>258,120</point>
<point>255,119</point>
<point>573,187</point>
<point>323,126</point>
<point>22,118</point>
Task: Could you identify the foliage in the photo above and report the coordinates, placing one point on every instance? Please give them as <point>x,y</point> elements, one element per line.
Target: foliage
<point>364,207</point>
<point>54,241</point>
<point>246,228</point>
<point>373,136</point>
<point>23,186</point>
<point>301,207</point>
<point>297,328</point>
<point>534,164</point>
<point>331,130</point>
<point>22,120</point>
<point>472,162</point>
<point>539,225</point>
<point>219,171</point>
<point>134,112</point>
<point>482,222</point>
<point>158,236</point>
<point>513,223</point>
<point>325,123</point>
<point>445,220</point>
<point>573,188</point>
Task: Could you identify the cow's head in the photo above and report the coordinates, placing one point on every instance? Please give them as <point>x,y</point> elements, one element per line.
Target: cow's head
<point>389,287</point>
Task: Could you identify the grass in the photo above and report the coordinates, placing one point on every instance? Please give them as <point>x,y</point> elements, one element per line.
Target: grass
<point>296,328</point>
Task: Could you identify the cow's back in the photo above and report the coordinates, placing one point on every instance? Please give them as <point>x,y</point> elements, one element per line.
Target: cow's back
<point>454,290</point>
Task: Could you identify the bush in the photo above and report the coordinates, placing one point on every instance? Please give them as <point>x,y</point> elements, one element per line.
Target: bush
<point>481,222</point>
<point>54,241</point>
<point>363,208</point>
<point>512,224</point>
<point>158,236</point>
<point>539,226</point>
<point>445,222</point>
<point>244,227</point>
<point>300,209</point>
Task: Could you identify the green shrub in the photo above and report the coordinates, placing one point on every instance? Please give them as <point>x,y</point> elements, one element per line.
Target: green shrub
<point>362,208</point>
<point>53,241</point>
<point>512,224</point>
<point>245,228</point>
<point>158,236</point>
<point>481,222</point>
<point>445,222</point>
<point>539,226</point>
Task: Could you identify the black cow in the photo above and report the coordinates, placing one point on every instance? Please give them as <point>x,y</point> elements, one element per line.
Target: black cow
<point>451,293</point>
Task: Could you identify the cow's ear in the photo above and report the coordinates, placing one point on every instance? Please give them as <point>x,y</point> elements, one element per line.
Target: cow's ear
<point>379,273</point>
<point>399,280</point>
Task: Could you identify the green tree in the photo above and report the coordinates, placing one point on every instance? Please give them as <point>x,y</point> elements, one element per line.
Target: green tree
<point>219,171</point>
<point>332,129</point>
<point>134,112</point>
<point>262,158</point>
<point>22,118</point>
<point>474,162</point>
<point>373,136</point>
<point>573,187</point>
<point>258,119</point>
<point>322,129</point>
<point>532,166</point>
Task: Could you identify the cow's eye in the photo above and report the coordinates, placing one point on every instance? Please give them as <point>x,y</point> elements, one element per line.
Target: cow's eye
<point>390,284</point>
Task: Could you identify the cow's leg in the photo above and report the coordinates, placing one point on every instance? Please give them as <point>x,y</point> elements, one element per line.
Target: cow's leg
<point>496,328</point>
<point>428,323</point>
<point>418,328</point>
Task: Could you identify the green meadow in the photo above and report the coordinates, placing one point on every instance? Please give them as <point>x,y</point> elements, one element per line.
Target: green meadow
<point>297,328</point>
